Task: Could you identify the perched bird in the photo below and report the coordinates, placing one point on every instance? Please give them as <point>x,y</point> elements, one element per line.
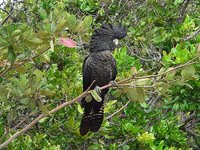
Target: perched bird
<point>100,66</point>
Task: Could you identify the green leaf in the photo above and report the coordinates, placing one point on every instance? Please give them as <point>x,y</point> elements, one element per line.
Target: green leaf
<point>128,127</point>
<point>43,120</point>
<point>36,40</point>
<point>109,105</point>
<point>188,72</point>
<point>160,146</point>
<point>60,26</point>
<point>16,33</point>
<point>170,75</point>
<point>80,109</point>
<point>176,2</point>
<point>87,21</point>
<point>45,58</point>
<point>3,93</point>
<point>47,92</point>
<point>21,69</point>
<point>43,108</point>
<point>38,74</point>
<point>71,22</point>
<point>42,13</point>
<point>11,55</point>
<point>12,114</point>
<point>84,25</point>
<point>133,71</point>
<point>3,44</point>
<point>135,94</point>
<point>52,46</point>
<point>25,101</point>
<point>96,96</point>
<point>88,98</point>
<point>142,82</point>
<point>144,105</point>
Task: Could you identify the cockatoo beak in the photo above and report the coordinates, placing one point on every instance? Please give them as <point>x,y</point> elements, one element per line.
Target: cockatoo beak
<point>116,41</point>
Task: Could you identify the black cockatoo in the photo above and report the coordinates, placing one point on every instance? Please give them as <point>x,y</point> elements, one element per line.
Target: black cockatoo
<point>100,66</point>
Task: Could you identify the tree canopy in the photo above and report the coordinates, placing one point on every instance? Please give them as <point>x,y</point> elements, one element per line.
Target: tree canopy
<point>155,105</point>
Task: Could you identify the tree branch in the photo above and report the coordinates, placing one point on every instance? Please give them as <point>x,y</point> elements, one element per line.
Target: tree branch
<point>118,110</point>
<point>8,16</point>
<point>192,36</point>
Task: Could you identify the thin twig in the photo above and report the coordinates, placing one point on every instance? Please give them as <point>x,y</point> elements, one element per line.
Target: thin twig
<point>173,69</point>
<point>118,110</point>
<point>135,86</point>
<point>192,35</point>
<point>183,10</point>
<point>9,15</point>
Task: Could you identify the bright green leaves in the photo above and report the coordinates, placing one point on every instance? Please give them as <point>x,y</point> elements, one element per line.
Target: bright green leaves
<point>42,13</point>
<point>188,24</point>
<point>39,139</point>
<point>179,54</point>
<point>146,138</point>
<point>80,109</point>
<point>110,105</point>
<point>169,130</point>
<point>88,5</point>
<point>123,67</point>
<point>149,139</point>
<point>131,129</point>
<point>176,2</point>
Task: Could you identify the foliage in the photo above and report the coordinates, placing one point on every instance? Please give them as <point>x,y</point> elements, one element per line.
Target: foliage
<point>161,54</point>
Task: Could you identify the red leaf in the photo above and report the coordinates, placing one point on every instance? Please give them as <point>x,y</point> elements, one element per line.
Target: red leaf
<point>68,42</point>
